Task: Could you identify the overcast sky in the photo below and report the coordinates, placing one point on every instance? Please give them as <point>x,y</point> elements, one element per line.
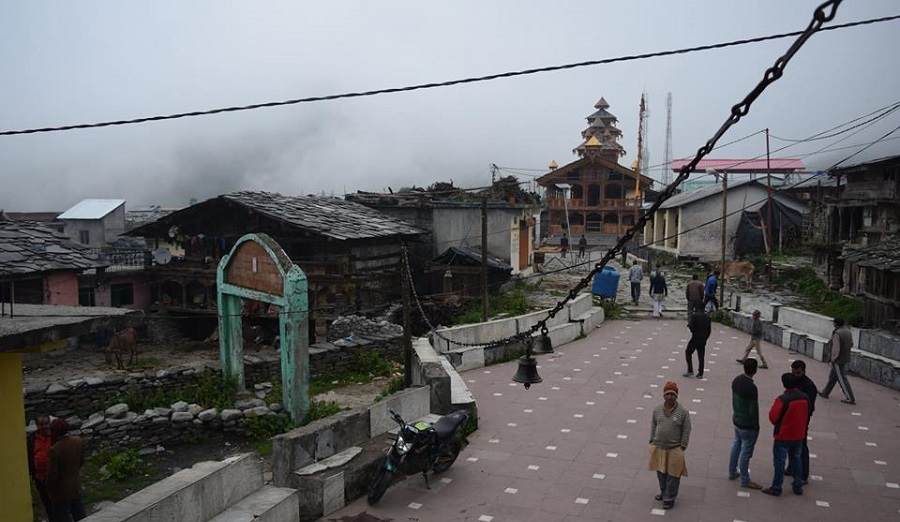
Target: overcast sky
<point>77,62</point>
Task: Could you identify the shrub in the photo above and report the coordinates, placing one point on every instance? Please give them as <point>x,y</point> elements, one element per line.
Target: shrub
<point>121,466</point>
<point>265,427</point>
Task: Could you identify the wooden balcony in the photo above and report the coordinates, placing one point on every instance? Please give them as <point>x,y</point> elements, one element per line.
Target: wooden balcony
<point>581,204</point>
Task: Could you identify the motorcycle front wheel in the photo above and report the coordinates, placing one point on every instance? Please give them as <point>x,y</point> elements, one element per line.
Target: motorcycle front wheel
<point>379,485</point>
<point>447,456</point>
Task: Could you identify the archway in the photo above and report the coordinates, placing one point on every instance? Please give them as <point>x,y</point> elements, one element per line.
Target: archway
<point>257,268</point>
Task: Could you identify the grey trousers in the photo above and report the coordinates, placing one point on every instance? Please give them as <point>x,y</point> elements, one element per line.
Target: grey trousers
<point>668,486</point>
<point>838,376</point>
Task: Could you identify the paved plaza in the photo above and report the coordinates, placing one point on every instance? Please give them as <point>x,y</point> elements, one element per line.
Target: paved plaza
<point>575,447</point>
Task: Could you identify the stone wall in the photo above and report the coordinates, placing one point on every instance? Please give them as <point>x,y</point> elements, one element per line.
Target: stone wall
<point>109,421</point>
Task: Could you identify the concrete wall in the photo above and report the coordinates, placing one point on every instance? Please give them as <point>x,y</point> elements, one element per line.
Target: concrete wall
<point>462,226</point>
<point>15,492</point>
<point>875,356</point>
<point>700,228</point>
<point>114,224</point>
<point>94,228</point>
<point>62,288</point>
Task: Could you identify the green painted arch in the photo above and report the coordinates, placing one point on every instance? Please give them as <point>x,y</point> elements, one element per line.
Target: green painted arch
<point>293,301</point>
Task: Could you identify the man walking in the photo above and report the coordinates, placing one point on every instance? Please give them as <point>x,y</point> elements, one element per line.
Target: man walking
<point>709,291</point>
<point>582,246</point>
<point>841,342</point>
<point>694,295</point>
<point>63,476</point>
<point>635,276</point>
<point>789,414</point>
<point>700,326</point>
<point>808,387</point>
<point>756,332</point>
<point>745,408</point>
<point>670,432</point>
<point>658,290</point>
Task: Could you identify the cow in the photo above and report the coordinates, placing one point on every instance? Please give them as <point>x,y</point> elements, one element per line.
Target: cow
<point>121,343</point>
<point>743,269</point>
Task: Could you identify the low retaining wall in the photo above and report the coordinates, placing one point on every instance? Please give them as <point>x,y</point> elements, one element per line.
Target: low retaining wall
<point>875,356</point>
<point>90,398</point>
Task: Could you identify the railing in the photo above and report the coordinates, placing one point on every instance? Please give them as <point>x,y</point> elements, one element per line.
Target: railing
<point>575,204</point>
<point>123,259</point>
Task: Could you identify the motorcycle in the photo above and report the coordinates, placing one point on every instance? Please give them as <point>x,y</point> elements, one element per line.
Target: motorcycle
<point>419,447</point>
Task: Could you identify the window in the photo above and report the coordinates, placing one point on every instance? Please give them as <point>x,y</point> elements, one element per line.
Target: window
<point>121,294</point>
<point>84,237</point>
<point>86,296</point>
<point>614,174</point>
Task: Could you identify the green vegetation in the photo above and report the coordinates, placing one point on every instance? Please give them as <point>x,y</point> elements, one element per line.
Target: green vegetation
<point>369,364</point>
<point>611,309</point>
<point>111,476</point>
<point>821,300</point>
<point>393,386</point>
<point>722,317</point>
<point>212,390</point>
<point>514,302</point>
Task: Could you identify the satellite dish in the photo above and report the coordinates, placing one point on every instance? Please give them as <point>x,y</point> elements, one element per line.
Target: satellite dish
<point>162,256</point>
<point>173,231</point>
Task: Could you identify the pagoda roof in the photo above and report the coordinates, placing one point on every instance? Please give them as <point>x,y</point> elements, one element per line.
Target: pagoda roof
<point>602,104</point>
<point>559,174</point>
<point>602,114</point>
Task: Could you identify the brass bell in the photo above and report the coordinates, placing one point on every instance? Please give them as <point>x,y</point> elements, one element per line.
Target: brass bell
<point>527,373</point>
<point>543,344</point>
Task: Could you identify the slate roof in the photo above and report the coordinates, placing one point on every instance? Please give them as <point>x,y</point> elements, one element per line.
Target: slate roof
<point>28,247</point>
<point>92,209</point>
<point>463,255</point>
<point>884,255</point>
<point>329,217</point>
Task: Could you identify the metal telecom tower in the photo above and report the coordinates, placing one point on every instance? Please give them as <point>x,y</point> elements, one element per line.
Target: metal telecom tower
<point>644,151</point>
<point>667,161</point>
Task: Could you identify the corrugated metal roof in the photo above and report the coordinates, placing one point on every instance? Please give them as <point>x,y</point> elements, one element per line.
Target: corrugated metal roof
<point>741,165</point>
<point>685,198</point>
<point>28,247</point>
<point>92,209</point>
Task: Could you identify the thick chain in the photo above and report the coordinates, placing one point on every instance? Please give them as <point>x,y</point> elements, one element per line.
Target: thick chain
<point>824,13</point>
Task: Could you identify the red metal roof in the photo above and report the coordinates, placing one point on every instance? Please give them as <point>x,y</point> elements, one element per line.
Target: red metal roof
<point>742,165</point>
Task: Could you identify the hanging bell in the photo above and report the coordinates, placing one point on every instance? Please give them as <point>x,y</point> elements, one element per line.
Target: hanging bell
<point>527,373</point>
<point>542,344</point>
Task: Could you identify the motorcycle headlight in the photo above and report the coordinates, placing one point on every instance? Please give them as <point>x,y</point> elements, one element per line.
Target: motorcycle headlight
<point>403,447</point>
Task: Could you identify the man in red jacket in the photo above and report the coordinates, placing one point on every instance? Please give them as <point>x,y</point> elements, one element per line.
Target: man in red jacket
<point>789,414</point>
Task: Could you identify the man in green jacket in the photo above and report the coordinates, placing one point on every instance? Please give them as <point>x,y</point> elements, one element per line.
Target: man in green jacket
<point>745,405</point>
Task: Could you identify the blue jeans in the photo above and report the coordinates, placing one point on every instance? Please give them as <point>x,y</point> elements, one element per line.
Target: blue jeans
<point>741,452</point>
<point>781,451</point>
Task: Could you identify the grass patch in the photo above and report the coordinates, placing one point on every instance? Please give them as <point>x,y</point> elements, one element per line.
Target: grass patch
<point>393,386</point>
<point>722,317</point>
<point>321,409</point>
<point>818,298</point>
<point>369,364</point>
<point>108,475</point>
<point>514,302</point>
<point>211,390</point>
<point>611,309</point>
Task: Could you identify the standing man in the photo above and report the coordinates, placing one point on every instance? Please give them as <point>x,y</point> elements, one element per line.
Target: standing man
<point>745,408</point>
<point>841,342</point>
<point>808,387</point>
<point>564,245</point>
<point>709,291</point>
<point>789,414</point>
<point>670,431</point>
<point>582,245</point>
<point>635,276</point>
<point>694,295</point>
<point>756,332</point>
<point>658,290</point>
<point>39,443</point>
<point>700,326</point>
<point>64,474</point>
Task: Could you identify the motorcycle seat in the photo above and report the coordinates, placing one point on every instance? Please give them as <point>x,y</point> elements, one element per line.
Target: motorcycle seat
<point>448,424</point>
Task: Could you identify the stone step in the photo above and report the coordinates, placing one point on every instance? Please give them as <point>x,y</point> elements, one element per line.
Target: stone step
<point>267,504</point>
<point>195,494</point>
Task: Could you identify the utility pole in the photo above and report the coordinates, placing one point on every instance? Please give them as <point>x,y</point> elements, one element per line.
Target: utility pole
<point>724,237</point>
<point>771,241</point>
<point>407,333</point>
<point>484,265</point>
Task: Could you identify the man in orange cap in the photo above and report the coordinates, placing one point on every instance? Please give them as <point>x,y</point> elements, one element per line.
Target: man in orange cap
<point>670,432</point>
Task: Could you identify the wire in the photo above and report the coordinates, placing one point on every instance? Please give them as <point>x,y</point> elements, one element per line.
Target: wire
<point>448,83</point>
<point>866,147</point>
